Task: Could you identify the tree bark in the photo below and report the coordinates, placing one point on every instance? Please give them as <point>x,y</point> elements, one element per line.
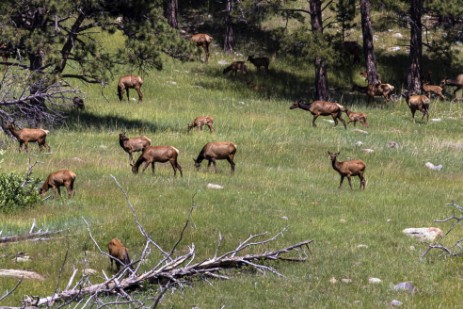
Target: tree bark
<point>415,55</point>
<point>321,80</point>
<point>229,39</point>
<point>171,13</point>
<point>368,48</point>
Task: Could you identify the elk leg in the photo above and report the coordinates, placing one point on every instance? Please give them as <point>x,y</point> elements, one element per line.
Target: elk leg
<point>146,166</point>
<point>127,92</point>
<point>140,94</point>
<point>210,127</point>
<point>232,165</point>
<point>206,49</point>
<point>342,120</point>
<point>131,158</point>
<point>362,181</point>
<point>342,179</point>
<point>215,165</point>
<point>335,118</point>
<point>174,167</point>
<point>350,181</point>
<point>152,167</point>
<point>313,121</point>
<point>209,164</point>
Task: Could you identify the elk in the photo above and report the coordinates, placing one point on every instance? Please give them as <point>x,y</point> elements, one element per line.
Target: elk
<point>322,108</point>
<point>134,144</point>
<point>214,151</point>
<point>236,66</point>
<point>162,154</point>
<point>127,82</point>
<point>356,116</point>
<point>429,89</point>
<point>78,103</point>
<point>61,178</point>
<point>201,121</point>
<point>25,136</point>
<point>259,62</point>
<point>203,40</point>
<point>384,90</point>
<point>418,102</point>
<point>118,253</point>
<point>458,82</point>
<point>348,169</point>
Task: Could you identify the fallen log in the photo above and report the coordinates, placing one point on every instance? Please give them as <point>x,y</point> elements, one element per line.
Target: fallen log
<point>18,273</point>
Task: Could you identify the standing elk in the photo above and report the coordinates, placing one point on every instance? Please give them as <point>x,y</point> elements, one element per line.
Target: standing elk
<point>236,66</point>
<point>348,169</point>
<point>214,151</point>
<point>418,102</point>
<point>162,154</point>
<point>134,144</point>
<point>201,121</point>
<point>322,108</point>
<point>118,253</point>
<point>260,62</point>
<point>458,82</point>
<point>25,136</point>
<point>356,116</point>
<point>203,40</point>
<point>384,90</point>
<point>61,178</point>
<point>127,82</point>
<point>433,89</point>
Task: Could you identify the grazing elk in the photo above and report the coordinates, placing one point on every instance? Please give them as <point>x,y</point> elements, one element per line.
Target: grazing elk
<point>348,169</point>
<point>134,144</point>
<point>356,116</point>
<point>162,154</point>
<point>418,102</point>
<point>118,253</point>
<point>61,178</point>
<point>236,66</point>
<point>322,108</point>
<point>458,82</point>
<point>214,151</point>
<point>260,62</point>
<point>127,82</point>
<point>78,103</point>
<point>25,136</point>
<point>203,40</point>
<point>432,89</point>
<point>201,121</point>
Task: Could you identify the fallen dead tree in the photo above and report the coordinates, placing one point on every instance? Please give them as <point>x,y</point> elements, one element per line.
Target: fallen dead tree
<point>171,270</point>
<point>36,236</point>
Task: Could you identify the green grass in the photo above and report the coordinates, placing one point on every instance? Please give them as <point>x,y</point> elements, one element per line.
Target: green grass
<point>283,178</point>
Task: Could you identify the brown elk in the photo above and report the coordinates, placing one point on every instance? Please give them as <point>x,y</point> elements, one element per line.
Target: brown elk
<point>458,82</point>
<point>418,102</point>
<point>201,121</point>
<point>134,144</point>
<point>162,154</point>
<point>433,89</point>
<point>384,90</point>
<point>236,66</point>
<point>322,108</point>
<point>127,82</point>
<point>356,116</point>
<point>214,151</point>
<point>348,169</point>
<point>78,103</point>
<point>118,253</point>
<point>260,62</point>
<point>203,40</point>
<point>61,178</point>
<point>25,136</point>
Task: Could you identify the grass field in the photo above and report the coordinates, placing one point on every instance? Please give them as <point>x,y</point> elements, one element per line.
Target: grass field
<point>283,178</point>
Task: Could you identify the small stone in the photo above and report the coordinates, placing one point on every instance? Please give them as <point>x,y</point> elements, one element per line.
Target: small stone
<point>374,280</point>
<point>362,246</point>
<point>333,280</point>
<point>360,131</point>
<point>342,221</point>
<point>412,248</point>
<point>89,272</point>
<point>392,144</point>
<point>214,186</point>
<point>424,234</point>
<point>346,280</point>
<point>284,218</point>
<point>358,143</point>
<point>396,303</point>
<point>405,287</point>
<point>368,150</point>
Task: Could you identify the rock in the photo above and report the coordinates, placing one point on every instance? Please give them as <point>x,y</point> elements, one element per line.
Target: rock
<point>436,119</point>
<point>223,62</point>
<point>362,246</point>
<point>374,280</point>
<point>214,186</point>
<point>392,144</point>
<point>405,287</point>
<point>398,35</point>
<point>360,131</point>
<point>358,143</point>
<point>393,48</point>
<point>396,303</point>
<point>424,234</point>
<point>346,280</point>
<point>368,150</point>
<point>333,280</point>
<point>433,167</point>
<point>20,274</point>
<point>89,272</point>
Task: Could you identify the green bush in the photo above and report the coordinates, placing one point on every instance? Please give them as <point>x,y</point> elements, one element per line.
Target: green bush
<point>15,196</point>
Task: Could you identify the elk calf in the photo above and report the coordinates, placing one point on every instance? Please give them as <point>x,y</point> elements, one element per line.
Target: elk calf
<point>356,116</point>
<point>118,253</point>
<point>214,151</point>
<point>418,102</point>
<point>236,66</point>
<point>25,136</point>
<point>127,82</point>
<point>348,169</point>
<point>162,154</point>
<point>134,144</point>
<point>61,178</point>
<point>433,89</point>
<point>200,122</point>
<point>260,62</point>
<point>457,82</point>
<point>322,108</point>
<point>203,40</point>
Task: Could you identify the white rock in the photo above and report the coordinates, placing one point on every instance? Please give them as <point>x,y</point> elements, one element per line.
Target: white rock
<point>424,234</point>
<point>398,35</point>
<point>412,248</point>
<point>396,303</point>
<point>214,186</point>
<point>358,143</point>
<point>392,144</point>
<point>405,287</point>
<point>360,131</point>
<point>368,150</point>
<point>89,272</point>
<point>393,48</point>
<point>433,167</point>
<point>342,220</point>
<point>284,218</point>
<point>222,62</point>
<point>362,246</point>
<point>346,280</point>
<point>374,280</point>
<point>333,280</point>
<point>436,119</point>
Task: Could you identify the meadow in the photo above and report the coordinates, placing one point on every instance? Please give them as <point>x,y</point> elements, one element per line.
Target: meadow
<point>283,179</point>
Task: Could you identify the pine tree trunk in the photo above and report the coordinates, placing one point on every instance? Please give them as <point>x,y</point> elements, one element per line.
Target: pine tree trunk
<point>171,13</point>
<point>368,48</point>
<point>414,73</point>
<point>229,39</point>
<point>321,81</point>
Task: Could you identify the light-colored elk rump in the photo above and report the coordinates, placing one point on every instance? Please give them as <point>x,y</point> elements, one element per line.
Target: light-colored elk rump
<point>322,108</point>
<point>127,82</point>
<point>201,121</point>
<point>259,62</point>
<point>203,40</point>
<point>457,82</point>
<point>348,169</point>
<point>433,89</point>
<point>134,144</point>
<point>214,151</point>
<point>418,103</point>
<point>118,253</point>
<point>161,154</point>
<point>61,178</point>
<point>357,116</point>
<point>26,136</point>
<point>236,66</point>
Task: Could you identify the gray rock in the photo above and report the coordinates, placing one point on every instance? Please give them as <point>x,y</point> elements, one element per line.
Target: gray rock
<point>405,287</point>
